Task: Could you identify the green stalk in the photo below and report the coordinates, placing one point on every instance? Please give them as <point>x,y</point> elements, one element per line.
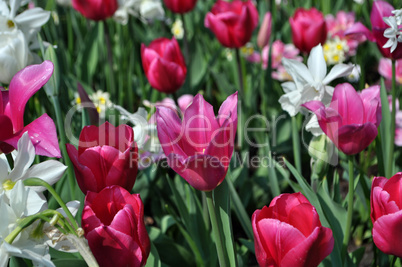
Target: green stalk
<point>296,145</point>
<point>240,73</point>
<point>111,80</point>
<point>40,182</point>
<point>390,162</point>
<point>63,141</point>
<point>10,238</point>
<point>350,209</point>
<point>216,231</point>
<point>186,53</point>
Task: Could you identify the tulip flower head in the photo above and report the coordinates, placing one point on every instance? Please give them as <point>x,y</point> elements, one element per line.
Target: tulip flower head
<point>386,213</point>
<point>42,131</point>
<point>232,22</point>
<point>113,221</point>
<point>96,9</point>
<point>289,233</point>
<point>352,118</point>
<point>164,65</point>
<point>180,6</point>
<point>106,156</point>
<point>200,147</point>
<point>308,29</point>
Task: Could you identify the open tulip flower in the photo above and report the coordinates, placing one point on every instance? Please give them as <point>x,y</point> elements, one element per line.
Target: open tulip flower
<point>106,156</point>
<point>200,147</point>
<point>113,221</point>
<point>380,10</point>
<point>308,29</point>
<point>164,65</point>
<point>42,131</point>
<point>96,9</point>
<point>232,22</point>
<point>289,233</point>
<point>352,118</point>
<point>386,213</point>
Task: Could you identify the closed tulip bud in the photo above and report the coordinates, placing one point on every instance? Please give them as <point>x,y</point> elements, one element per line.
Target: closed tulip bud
<point>265,31</point>
<point>96,9</point>
<point>106,156</point>
<point>289,233</point>
<point>180,6</point>
<point>232,22</point>
<point>164,65</point>
<point>308,29</point>
<point>113,221</point>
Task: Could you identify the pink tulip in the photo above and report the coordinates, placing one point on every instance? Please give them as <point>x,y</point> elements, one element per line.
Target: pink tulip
<point>308,29</point>
<point>42,131</point>
<point>386,213</point>
<point>106,156</point>
<point>200,147</point>
<point>352,118</point>
<point>164,65</point>
<point>385,69</point>
<point>96,9</point>
<point>232,22</point>
<point>180,6</point>
<point>113,222</point>
<point>380,9</point>
<point>289,233</point>
<point>265,31</point>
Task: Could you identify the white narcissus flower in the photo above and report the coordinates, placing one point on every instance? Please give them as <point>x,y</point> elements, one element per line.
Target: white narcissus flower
<point>310,83</point>
<point>392,33</point>
<point>143,9</point>
<point>50,171</point>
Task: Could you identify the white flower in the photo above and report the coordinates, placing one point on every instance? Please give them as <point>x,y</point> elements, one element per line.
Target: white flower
<point>335,51</point>
<point>50,171</point>
<point>177,29</point>
<point>393,34</point>
<point>309,82</point>
<point>143,9</point>
<point>398,16</point>
<point>355,75</point>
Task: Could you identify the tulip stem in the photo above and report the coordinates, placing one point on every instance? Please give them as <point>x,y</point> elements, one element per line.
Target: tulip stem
<point>40,182</point>
<point>186,52</point>
<point>240,73</point>
<point>350,209</point>
<point>216,230</point>
<point>296,145</point>
<point>390,160</point>
<point>109,59</point>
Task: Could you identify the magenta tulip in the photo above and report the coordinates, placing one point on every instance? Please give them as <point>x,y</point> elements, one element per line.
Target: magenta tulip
<point>232,22</point>
<point>200,147</point>
<point>113,222</point>
<point>96,9</point>
<point>386,213</point>
<point>106,156</point>
<point>289,233</point>
<point>42,131</point>
<point>352,118</point>
<point>180,6</point>
<point>379,10</point>
<point>308,29</point>
<point>164,65</point>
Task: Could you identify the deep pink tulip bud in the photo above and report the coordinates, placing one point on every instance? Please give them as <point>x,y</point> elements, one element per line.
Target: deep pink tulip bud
<point>352,118</point>
<point>113,221</point>
<point>386,213</point>
<point>106,156</point>
<point>308,29</point>
<point>96,9</point>
<point>180,6</point>
<point>232,22</point>
<point>42,130</point>
<point>164,65</point>
<point>265,31</point>
<point>200,147</point>
<point>289,233</point>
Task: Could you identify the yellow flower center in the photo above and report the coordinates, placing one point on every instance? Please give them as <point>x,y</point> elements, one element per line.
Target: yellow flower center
<point>102,100</point>
<point>8,185</point>
<point>78,100</point>
<point>10,24</point>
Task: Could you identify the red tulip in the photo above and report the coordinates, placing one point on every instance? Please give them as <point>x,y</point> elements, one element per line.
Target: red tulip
<point>199,148</point>
<point>106,156</point>
<point>164,65</point>
<point>379,10</point>
<point>113,221</point>
<point>180,6</point>
<point>308,29</point>
<point>289,233</point>
<point>96,9</point>
<point>232,22</point>
<point>352,118</point>
<point>42,130</point>
<point>386,213</point>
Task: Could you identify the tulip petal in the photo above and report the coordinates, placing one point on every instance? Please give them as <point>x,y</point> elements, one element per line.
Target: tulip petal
<point>165,76</point>
<point>89,219</point>
<point>348,104</point>
<point>353,138</point>
<point>6,127</point>
<point>376,188</point>
<point>387,233</point>
<point>124,221</point>
<point>228,109</point>
<point>23,86</point>
<point>310,218</point>
<point>394,188</point>
<point>219,28</point>
<point>372,105</point>
<point>357,30</point>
